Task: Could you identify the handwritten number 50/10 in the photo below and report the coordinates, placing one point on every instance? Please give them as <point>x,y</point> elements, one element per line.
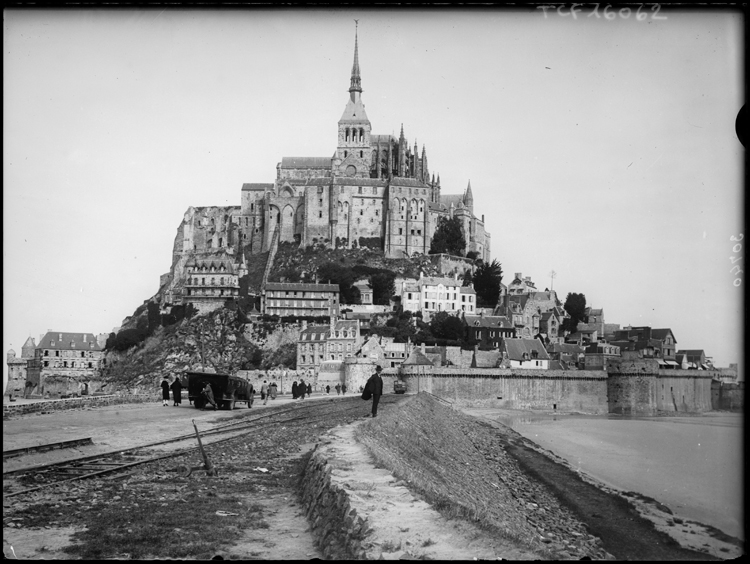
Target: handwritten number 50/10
<point>736,249</point>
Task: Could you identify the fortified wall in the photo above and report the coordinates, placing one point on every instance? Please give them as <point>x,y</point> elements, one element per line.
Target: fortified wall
<point>638,387</point>
<point>564,390</point>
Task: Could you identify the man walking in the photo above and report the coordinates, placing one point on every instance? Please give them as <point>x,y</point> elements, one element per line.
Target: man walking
<point>375,386</point>
<point>264,392</point>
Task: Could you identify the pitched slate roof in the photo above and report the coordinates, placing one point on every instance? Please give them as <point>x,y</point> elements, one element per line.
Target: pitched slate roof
<point>306,162</point>
<point>374,138</point>
<point>516,347</point>
<point>354,181</point>
<point>488,321</point>
<point>661,334</point>
<point>403,181</point>
<point>250,186</point>
<point>296,286</point>
<point>486,359</point>
<point>448,199</point>
<point>69,341</point>
<point>418,359</point>
<point>435,280</point>
<point>468,290</point>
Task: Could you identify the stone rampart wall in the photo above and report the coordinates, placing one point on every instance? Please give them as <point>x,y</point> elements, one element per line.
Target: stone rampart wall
<point>648,393</point>
<point>562,390</point>
<point>76,403</point>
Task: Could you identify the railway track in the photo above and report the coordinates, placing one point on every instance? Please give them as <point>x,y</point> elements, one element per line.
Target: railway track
<point>28,480</point>
<point>13,453</point>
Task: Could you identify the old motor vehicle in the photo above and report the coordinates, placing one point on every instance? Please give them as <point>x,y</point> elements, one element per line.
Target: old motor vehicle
<point>228,390</point>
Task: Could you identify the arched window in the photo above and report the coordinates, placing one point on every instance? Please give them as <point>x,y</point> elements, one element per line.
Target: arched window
<point>361,135</point>
<point>361,154</point>
<point>345,154</point>
<point>346,137</point>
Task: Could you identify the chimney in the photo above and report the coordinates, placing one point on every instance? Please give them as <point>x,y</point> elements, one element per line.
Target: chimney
<point>84,337</point>
<point>482,218</point>
<point>420,275</point>
<point>304,325</point>
<point>422,347</point>
<point>60,339</point>
<point>519,275</point>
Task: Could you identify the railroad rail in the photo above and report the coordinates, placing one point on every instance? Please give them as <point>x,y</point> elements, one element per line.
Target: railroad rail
<point>47,475</point>
<point>72,443</point>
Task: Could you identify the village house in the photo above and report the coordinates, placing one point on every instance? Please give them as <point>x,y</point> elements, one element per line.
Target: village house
<point>212,280</point>
<point>694,359</point>
<point>526,353</point>
<point>433,294</point>
<point>488,330</point>
<point>301,300</point>
<point>521,285</point>
<point>597,354</point>
<point>365,292</point>
<point>384,352</point>
<point>318,343</point>
<point>569,355</point>
<point>65,364</point>
<point>668,342</point>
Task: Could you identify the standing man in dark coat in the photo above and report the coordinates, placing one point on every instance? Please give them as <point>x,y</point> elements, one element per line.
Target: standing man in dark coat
<point>294,389</point>
<point>375,386</point>
<point>177,390</point>
<point>165,392</point>
<point>301,389</point>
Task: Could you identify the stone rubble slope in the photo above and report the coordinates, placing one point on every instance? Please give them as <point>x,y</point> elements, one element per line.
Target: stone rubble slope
<point>459,464</point>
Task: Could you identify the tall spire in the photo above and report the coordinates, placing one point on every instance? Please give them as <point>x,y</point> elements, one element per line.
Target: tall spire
<point>356,82</point>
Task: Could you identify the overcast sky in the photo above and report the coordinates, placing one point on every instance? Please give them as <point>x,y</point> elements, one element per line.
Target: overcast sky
<point>601,149</point>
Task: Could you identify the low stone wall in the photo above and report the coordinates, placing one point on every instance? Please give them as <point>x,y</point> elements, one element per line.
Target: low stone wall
<point>337,527</point>
<point>75,403</point>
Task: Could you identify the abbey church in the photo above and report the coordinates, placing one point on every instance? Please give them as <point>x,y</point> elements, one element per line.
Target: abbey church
<point>374,191</point>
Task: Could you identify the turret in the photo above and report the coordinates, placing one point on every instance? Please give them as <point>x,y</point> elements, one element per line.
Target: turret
<point>425,176</point>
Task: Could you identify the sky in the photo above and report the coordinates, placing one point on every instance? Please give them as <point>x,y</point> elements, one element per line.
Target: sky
<point>601,149</point>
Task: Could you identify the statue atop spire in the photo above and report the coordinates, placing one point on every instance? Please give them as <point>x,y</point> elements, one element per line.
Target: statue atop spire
<point>356,82</point>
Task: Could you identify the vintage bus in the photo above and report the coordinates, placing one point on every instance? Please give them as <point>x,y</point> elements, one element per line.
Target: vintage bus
<point>228,390</point>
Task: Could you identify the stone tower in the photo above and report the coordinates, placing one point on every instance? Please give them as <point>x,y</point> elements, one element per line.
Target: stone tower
<point>354,154</point>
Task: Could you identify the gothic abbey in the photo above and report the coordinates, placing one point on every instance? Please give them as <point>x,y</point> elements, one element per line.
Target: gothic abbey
<point>375,190</point>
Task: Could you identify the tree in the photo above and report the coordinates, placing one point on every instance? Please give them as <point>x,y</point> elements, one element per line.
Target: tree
<point>448,238</point>
<point>383,287</point>
<point>487,279</point>
<point>575,305</point>
<point>446,326</point>
<point>342,276</point>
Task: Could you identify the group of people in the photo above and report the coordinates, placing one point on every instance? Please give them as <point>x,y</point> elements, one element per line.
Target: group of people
<point>268,391</point>
<point>374,389</point>
<point>299,390</point>
<point>176,388</point>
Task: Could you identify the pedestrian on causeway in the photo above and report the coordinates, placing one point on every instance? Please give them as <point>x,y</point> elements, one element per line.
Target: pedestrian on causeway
<point>294,389</point>
<point>375,387</point>
<point>343,389</point>
<point>273,391</point>
<point>264,392</point>
<point>309,390</point>
<point>338,389</point>
<point>177,391</point>
<point>328,390</point>
<point>165,392</point>
<point>301,389</point>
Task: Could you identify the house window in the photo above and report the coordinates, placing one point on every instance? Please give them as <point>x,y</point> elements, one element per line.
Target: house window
<point>320,214</point>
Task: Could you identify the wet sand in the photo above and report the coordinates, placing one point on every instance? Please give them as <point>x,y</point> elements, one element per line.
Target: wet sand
<point>693,465</point>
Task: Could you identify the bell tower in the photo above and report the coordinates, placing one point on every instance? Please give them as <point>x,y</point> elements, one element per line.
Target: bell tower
<point>354,154</point>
